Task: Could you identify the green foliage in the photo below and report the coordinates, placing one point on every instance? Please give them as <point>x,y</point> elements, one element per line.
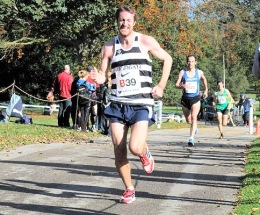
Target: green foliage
<point>249,201</point>
<point>59,22</point>
<point>63,33</point>
<point>39,37</point>
<point>228,29</point>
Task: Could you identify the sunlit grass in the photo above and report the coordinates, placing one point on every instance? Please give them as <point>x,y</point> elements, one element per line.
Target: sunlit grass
<point>249,194</point>
<point>43,130</point>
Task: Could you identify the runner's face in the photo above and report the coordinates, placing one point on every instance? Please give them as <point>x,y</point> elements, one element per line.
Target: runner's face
<point>125,23</point>
<point>191,62</point>
<point>220,86</point>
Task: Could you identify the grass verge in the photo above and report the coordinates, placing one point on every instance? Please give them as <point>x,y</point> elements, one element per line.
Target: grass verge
<point>43,130</point>
<point>249,194</point>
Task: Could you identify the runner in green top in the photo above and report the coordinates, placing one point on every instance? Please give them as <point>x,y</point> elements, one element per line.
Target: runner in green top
<point>222,98</point>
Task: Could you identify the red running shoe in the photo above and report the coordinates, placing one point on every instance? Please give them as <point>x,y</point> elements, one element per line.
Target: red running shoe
<point>128,196</point>
<point>147,162</point>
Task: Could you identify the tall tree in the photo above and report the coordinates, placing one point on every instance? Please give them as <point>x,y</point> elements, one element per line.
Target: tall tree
<point>227,27</point>
<point>41,36</point>
<point>38,37</point>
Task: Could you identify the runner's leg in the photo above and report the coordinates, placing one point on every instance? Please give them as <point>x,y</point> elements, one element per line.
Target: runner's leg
<point>119,138</point>
<point>195,108</point>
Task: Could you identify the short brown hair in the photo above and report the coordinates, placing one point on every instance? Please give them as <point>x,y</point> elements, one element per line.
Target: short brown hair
<point>220,81</point>
<point>191,55</point>
<point>126,8</point>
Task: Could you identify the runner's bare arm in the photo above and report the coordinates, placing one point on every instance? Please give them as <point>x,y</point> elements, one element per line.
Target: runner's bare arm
<point>231,100</point>
<point>214,100</point>
<point>155,49</point>
<point>106,54</point>
<point>204,80</point>
<point>149,44</point>
<point>178,83</point>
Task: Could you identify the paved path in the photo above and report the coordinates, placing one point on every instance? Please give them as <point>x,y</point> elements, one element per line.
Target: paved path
<point>69,178</point>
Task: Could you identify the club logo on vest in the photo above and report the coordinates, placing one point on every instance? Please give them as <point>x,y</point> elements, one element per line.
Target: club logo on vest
<point>122,75</point>
<point>118,52</point>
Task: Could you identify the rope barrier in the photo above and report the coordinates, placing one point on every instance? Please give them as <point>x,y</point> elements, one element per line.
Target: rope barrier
<point>92,100</point>
<point>57,101</point>
<point>45,100</point>
<point>6,88</point>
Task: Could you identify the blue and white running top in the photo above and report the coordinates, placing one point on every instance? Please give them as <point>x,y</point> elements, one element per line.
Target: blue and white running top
<point>192,83</point>
<point>131,76</point>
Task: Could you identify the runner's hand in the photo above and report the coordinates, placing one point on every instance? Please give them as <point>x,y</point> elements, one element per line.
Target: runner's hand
<point>157,92</point>
<point>205,94</point>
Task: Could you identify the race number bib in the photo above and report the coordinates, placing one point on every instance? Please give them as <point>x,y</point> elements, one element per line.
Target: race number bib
<point>128,83</point>
<point>222,99</point>
<point>191,87</point>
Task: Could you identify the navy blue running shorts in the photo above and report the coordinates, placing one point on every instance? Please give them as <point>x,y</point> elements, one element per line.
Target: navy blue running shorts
<point>129,114</point>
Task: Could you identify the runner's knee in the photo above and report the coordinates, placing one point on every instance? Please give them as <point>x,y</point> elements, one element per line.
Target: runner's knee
<point>135,149</point>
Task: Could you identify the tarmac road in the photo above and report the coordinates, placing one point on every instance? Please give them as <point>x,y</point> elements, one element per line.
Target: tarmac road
<point>80,178</point>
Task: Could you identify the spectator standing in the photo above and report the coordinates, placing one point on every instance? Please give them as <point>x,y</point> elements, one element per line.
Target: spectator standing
<point>99,106</point>
<point>104,101</point>
<point>202,106</point>
<point>246,104</point>
<point>74,107</point>
<point>62,85</point>
<point>94,107</point>
<point>85,90</point>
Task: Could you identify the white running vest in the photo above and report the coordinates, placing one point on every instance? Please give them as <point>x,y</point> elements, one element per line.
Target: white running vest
<point>131,76</point>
